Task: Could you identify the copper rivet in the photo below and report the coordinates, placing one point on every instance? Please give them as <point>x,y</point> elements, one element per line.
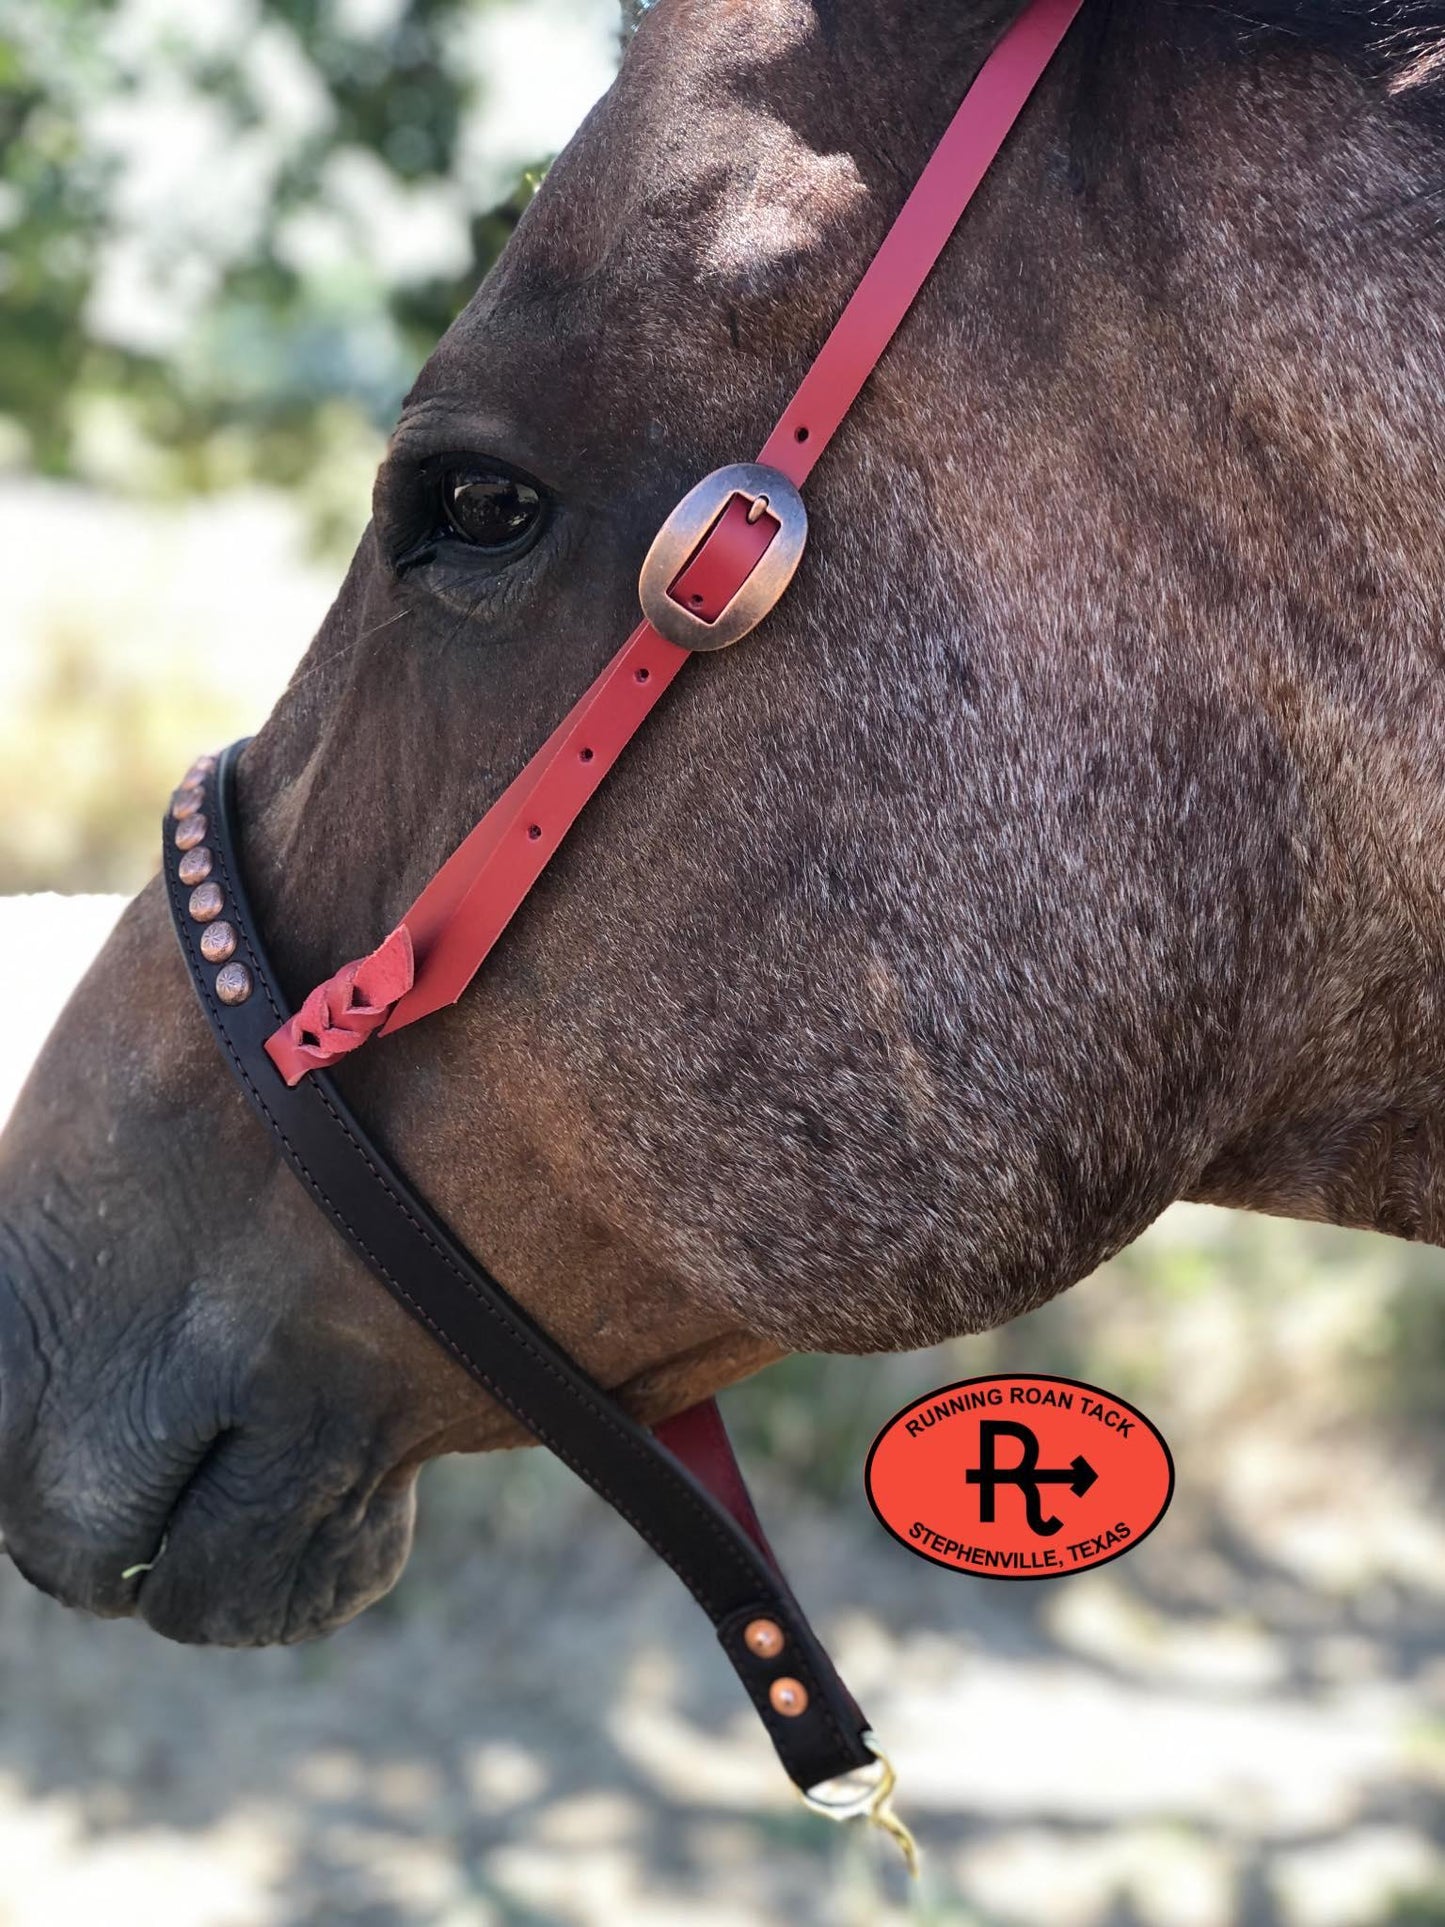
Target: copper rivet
<point>207,901</point>
<point>194,867</point>
<point>218,942</point>
<point>764,1638</point>
<point>185,803</point>
<point>233,983</point>
<point>191,832</point>
<point>789,1697</point>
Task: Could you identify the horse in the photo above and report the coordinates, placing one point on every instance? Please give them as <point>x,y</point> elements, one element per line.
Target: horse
<point>1062,846</point>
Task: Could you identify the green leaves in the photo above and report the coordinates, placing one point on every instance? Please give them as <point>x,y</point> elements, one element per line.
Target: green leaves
<point>225,224</point>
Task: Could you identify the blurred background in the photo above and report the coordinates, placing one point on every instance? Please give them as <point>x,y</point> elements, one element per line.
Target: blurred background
<point>228,235</point>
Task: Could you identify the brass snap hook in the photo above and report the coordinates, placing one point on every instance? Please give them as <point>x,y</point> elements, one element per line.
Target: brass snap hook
<point>867,1798</point>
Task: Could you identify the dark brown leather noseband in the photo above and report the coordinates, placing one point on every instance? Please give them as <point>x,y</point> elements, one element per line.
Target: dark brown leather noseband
<point>729,1574</point>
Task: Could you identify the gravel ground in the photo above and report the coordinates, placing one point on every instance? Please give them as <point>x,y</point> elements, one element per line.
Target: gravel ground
<point>535,1728</point>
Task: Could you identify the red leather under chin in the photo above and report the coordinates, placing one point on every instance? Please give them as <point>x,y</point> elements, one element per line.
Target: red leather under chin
<point>698,1437</point>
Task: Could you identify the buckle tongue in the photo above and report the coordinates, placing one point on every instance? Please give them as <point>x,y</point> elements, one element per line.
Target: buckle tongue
<point>754,554</point>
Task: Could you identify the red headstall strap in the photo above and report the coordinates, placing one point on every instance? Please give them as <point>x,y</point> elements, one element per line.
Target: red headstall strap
<point>459,916</point>
<point>720,562</point>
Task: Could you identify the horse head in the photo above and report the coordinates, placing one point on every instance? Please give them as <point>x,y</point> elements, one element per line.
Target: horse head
<point>1060,847</point>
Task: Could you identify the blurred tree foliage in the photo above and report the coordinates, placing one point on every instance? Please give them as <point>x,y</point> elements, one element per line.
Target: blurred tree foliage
<point>230,232</point>
<point>233,330</point>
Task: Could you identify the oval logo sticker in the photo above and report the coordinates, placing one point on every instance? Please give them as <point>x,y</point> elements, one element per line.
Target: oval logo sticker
<point>1020,1476</point>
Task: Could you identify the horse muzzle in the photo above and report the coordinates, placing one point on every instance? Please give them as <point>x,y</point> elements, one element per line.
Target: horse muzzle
<point>139,1478</point>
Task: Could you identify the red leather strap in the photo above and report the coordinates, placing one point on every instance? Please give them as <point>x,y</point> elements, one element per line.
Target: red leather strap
<point>478,890</point>
<point>699,1438</point>
<point>917,237</point>
<point>722,564</point>
<point>473,897</point>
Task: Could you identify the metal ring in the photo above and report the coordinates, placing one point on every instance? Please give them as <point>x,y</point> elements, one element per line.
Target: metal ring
<point>873,1802</point>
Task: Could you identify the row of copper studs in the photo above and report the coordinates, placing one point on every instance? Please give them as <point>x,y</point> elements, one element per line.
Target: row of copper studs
<point>207,901</point>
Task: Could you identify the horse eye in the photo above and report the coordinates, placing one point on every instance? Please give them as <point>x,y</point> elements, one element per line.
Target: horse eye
<point>489,509</point>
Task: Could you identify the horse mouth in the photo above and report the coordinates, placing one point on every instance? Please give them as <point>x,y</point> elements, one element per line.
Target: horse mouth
<point>241,1582</point>
<point>274,1530</point>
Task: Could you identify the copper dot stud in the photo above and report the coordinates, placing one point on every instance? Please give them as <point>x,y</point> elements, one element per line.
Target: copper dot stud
<point>763,1638</point>
<point>186,802</point>
<point>218,942</point>
<point>191,833</point>
<point>207,901</point>
<point>233,985</point>
<point>788,1697</point>
<point>195,866</point>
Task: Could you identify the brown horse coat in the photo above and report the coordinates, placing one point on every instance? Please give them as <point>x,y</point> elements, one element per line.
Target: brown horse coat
<point>1065,844</point>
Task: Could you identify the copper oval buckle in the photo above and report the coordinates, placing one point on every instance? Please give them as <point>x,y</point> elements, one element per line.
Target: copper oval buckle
<point>770,496</point>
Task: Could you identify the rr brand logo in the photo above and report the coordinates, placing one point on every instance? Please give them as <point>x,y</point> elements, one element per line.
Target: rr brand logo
<point>1025,1475</point>
<point>960,1477</point>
